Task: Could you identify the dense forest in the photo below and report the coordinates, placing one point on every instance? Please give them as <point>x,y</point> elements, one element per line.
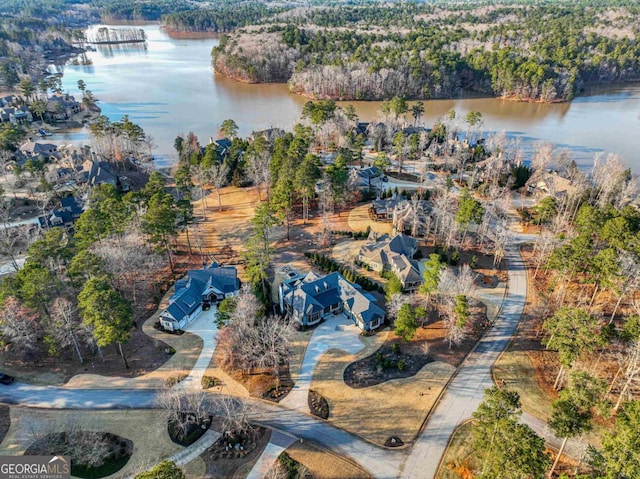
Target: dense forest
<point>26,44</point>
<point>527,52</point>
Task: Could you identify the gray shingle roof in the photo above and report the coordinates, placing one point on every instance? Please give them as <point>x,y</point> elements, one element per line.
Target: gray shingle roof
<point>314,293</point>
<point>189,290</point>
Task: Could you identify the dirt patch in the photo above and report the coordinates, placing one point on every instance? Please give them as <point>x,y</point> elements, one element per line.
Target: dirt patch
<point>387,363</point>
<point>222,459</point>
<point>318,406</point>
<point>144,355</point>
<point>5,420</point>
<point>323,464</point>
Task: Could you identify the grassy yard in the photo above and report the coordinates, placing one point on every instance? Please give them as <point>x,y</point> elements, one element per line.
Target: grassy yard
<point>394,408</point>
<point>515,371</point>
<point>323,464</point>
<point>458,457</point>
<point>146,428</point>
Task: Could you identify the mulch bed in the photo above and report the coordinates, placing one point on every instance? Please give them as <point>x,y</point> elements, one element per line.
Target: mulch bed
<point>223,459</point>
<point>382,366</point>
<point>194,429</point>
<point>119,453</point>
<point>318,405</point>
<point>394,441</point>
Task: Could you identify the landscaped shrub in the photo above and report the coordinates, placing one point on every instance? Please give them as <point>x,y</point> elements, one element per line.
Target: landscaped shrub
<point>209,382</point>
<point>329,265</point>
<point>173,380</point>
<point>401,365</point>
<point>164,470</point>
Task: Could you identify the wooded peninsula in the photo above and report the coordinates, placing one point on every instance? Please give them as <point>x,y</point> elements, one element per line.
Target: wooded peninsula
<point>542,52</point>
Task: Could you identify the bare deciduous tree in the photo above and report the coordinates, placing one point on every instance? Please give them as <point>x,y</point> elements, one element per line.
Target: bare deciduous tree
<point>132,266</point>
<point>65,327</point>
<point>19,325</point>
<point>250,340</point>
<point>217,176</point>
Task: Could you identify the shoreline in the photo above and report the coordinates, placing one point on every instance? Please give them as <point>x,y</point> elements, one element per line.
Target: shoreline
<point>586,91</point>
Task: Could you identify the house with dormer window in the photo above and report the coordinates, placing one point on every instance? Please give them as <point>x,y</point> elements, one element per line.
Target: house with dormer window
<point>311,298</point>
<point>197,291</point>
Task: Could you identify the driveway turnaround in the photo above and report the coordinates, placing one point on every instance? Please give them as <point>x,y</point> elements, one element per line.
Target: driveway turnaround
<point>277,444</point>
<point>204,326</point>
<point>337,332</point>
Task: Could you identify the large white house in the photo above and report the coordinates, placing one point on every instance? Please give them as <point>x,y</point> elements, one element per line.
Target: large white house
<point>199,289</point>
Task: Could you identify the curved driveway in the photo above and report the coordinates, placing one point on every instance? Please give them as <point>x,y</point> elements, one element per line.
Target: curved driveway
<point>466,390</point>
<point>461,398</point>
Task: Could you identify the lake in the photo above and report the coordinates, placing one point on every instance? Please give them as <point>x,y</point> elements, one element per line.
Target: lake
<point>168,87</point>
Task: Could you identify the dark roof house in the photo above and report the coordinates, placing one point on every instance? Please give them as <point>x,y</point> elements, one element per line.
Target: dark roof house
<point>200,288</point>
<point>223,145</point>
<point>69,211</point>
<point>312,298</point>
<point>394,254</point>
<point>99,172</point>
<point>363,177</point>
<point>32,149</point>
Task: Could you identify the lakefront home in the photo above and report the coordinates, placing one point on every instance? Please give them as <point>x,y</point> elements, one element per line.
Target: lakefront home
<point>197,291</point>
<point>311,298</point>
<point>395,254</point>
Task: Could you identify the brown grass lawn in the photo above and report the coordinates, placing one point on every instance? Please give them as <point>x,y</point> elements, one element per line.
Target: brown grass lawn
<point>394,408</point>
<point>458,458</point>
<point>459,461</point>
<point>146,428</point>
<point>196,469</point>
<point>323,464</point>
<point>359,220</point>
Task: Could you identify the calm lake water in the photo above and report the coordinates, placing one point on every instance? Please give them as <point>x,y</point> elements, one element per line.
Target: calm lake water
<point>168,87</point>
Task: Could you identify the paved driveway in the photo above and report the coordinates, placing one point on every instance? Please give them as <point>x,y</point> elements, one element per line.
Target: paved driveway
<point>205,327</point>
<point>337,332</point>
<point>466,391</point>
<point>278,443</point>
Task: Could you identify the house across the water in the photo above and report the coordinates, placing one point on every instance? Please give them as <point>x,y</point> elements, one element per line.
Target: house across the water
<point>312,298</point>
<point>197,291</point>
